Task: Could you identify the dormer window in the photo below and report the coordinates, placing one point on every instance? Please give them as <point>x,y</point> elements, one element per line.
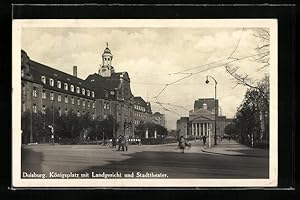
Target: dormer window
<point>78,90</point>
<point>43,79</point>
<point>66,86</point>
<point>51,82</point>
<point>83,91</point>
<point>58,84</point>
<point>72,88</point>
<point>88,92</point>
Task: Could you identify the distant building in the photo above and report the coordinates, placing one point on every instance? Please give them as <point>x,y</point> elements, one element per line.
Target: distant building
<point>142,111</point>
<point>159,119</point>
<point>201,120</point>
<point>182,126</point>
<point>208,102</point>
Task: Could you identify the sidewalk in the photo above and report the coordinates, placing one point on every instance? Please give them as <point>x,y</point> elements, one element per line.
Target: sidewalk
<point>233,148</point>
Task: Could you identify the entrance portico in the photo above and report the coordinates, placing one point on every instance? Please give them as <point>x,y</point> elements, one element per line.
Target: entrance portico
<point>201,128</point>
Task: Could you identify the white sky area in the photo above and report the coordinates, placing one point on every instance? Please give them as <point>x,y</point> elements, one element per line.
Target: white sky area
<point>152,56</point>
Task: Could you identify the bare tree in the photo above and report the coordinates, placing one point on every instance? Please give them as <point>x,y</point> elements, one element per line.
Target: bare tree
<point>263,56</point>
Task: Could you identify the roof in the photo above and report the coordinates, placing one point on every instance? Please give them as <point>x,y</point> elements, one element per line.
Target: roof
<point>158,114</point>
<point>37,70</point>
<point>105,87</point>
<point>141,102</point>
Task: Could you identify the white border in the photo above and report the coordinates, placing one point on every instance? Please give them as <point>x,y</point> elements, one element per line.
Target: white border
<point>118,23</point>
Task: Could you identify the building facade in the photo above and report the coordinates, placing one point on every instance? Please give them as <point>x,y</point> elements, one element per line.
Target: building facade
<point>102,94</point>
<point>159,118</point>
<point>44,87</point>
<point>201,120</point>
<point>182,126</point>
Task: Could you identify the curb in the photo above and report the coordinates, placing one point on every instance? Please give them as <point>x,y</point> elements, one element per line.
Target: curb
<point>232,154</point>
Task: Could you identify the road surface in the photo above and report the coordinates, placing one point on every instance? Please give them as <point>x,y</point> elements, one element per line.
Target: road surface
<point>164,159</point>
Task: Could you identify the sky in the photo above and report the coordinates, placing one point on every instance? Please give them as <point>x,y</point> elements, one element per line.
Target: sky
<point>153,57</point>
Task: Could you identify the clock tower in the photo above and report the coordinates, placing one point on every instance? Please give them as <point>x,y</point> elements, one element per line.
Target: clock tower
<point>106,69</point>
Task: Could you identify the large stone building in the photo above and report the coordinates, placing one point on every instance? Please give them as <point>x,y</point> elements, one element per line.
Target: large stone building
<point>182,125</point>
<point>159,118</point>
<point>99,95</point>
<point>201,120</point>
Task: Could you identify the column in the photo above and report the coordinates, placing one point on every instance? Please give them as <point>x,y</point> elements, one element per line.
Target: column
<point>192,128</point>
<point>196,124</point>
<point>155,134</point>
<point>146,135</point>
<point>201,129</point>
<point>206,128</point>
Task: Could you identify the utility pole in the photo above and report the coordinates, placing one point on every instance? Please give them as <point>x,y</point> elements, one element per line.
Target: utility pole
<point>216,109</point>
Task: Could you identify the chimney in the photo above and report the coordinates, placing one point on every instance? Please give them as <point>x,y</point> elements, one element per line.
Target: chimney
<point>75,71</point>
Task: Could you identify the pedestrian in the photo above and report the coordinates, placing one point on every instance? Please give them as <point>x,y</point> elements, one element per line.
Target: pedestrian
<point>119,142</point>
<point>126,143</point>
<point>113,142</point>
<point>182,144</point>
<point>204,139</point>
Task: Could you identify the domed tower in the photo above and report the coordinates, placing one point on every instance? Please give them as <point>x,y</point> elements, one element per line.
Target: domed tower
<point>106,69</point>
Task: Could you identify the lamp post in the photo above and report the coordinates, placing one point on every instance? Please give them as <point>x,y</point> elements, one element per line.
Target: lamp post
<point>207,81</point>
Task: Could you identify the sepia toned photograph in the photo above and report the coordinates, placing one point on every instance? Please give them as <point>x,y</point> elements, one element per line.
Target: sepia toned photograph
<point>145,103</point>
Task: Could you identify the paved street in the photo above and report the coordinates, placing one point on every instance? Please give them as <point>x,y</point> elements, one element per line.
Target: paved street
<point>167,159</point>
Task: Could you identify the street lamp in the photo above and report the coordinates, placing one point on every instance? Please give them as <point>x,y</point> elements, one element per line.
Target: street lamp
<point>207,81</point>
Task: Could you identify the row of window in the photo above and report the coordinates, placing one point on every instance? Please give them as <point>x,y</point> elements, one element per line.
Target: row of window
<point>34,108</point>
<point>66,87</point>
<point>44,96</point>
<point>137,107</point>
<point>139,115</point>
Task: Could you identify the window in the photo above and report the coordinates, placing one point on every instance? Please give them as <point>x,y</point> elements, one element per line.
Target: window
<point>51,82</point>
<point>51,96</point>
<point>59,111</point>
<point>22,72</point>
<point>89,105</point>
<point>66,99</point>
<point>93,94</point>
<point>66,86</point>
<point>78,113</point>
<point>44,94</point>
<point>93,105</point>
<point>78,90</point>
<point>43,79</point>
<point>94,116</point>
<point>34,108</point>
<point>78,102</point>
<point>107,106</point>
<point>34,92</point>
<point>72,88</point>
<point>83,103</point>
<point>88,92</point>
<point>23,107</point>
<point>58,84</point>
<point>72,100</point>
<point>104,106</point>
<point>59,97</point>
<point>66,111</point>
<point>44,109</point>
<point>83,91</point>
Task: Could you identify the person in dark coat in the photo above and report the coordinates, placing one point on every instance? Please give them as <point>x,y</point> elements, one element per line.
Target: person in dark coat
<point>204,139</point>
<point>114,142</point>
<point>120,142</point>
<point>182,144</point>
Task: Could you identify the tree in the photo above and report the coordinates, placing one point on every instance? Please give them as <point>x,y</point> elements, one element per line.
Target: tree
<point>263,57</point>
<point>253,114</point>
<point>142,127</point>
